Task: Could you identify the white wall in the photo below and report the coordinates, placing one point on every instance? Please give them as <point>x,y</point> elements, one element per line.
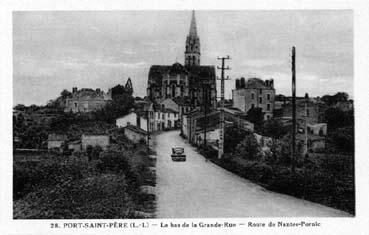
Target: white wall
<point>129,118</point>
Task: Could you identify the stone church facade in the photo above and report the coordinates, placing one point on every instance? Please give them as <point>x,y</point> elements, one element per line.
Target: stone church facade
<point>192,83</point>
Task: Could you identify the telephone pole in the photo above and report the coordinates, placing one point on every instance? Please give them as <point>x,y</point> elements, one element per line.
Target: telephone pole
<point>205,99</point>
<point>221,136</point>
<point>293,152</point>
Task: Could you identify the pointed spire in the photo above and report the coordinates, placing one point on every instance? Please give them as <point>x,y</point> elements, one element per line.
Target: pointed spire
<point>193,29</point>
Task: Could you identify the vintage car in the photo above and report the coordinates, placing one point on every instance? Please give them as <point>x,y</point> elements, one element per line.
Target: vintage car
<point>178,154</point>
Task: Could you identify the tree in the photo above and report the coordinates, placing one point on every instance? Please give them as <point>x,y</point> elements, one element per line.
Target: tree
<point>117,107</point>
<point>335,118</point>
<point>65,94</point>
<point>248,148</point>
<point>274,129</point>
<point>343,139</point>
<point>20,107</point>
<point>340,97</point>
<point>117,91</point>
<point>333,99</point>
<point>232,136</point>
<point>255,115</point>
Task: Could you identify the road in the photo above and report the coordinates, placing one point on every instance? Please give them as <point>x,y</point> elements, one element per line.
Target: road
<point>197,188</point>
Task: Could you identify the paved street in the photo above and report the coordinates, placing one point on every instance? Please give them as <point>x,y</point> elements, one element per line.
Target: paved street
<point>196,188</point>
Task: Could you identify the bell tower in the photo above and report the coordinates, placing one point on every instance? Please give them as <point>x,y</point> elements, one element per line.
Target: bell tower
<point>192,52</point>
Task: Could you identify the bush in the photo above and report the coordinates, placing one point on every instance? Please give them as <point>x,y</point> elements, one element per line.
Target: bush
<point>248,148</point>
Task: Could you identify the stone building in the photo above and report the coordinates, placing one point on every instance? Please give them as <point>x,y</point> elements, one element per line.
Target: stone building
<point>254,93</point>
<point>55,141</point>
<point>193,83</point>
<point>95,140</point>
<point>86,100</point>
<point>315,111</point>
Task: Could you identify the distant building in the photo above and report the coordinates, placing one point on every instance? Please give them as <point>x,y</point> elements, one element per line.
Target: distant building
<point>195,84</point>
<point>254,93</point>
<point>75,146</point>
<point>135,134</point>
<point>315,111</point>
<point>55,141</point>
<point>95,140</point>
<point>86,100</point>
<point>132,119</point>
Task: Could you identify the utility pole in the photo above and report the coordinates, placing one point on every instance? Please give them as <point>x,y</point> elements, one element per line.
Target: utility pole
<point>221,136</point>
<point>205,99</point>
<point>293,152</point>
<point>306,116</point>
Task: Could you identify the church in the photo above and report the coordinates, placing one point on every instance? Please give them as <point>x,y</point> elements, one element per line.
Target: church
<point>192,84</point>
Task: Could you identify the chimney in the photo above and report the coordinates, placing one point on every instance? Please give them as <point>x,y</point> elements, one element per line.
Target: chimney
<point>98,90</point>
<point>237,83</point>
<point>271,83</point>
<point>74,89</point>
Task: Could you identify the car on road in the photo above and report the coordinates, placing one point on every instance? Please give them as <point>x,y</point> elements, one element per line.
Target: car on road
<point>178,154</point>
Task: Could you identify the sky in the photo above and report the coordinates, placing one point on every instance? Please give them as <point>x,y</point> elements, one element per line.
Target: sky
<point>56,50</point>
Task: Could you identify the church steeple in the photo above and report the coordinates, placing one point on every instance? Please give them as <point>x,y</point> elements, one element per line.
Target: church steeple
<point>192,52</point>
<point>193,29</point>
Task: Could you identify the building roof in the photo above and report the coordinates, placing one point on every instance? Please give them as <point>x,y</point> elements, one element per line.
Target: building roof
<point>197,73</point>
<point>136,129</point>
<point>255,83</point>
<point>57,137</point>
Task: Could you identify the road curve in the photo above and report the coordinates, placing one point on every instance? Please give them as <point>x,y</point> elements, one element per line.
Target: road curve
<point>197,188</point>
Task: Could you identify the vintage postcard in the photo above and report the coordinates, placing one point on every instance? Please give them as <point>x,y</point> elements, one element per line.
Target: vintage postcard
<point>183,119</point>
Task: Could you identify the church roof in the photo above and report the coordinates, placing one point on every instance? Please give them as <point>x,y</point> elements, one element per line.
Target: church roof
<point>202,72</point>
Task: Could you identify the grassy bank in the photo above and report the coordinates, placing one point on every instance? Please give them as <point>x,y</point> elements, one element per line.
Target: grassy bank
<point>325,179</point>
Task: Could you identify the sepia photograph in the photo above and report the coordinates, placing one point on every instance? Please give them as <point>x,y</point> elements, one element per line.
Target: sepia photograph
<point>156,114</point>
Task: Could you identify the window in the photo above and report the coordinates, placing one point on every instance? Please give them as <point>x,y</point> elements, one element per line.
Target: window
<point>260,91</point>
<point>162,116</point>
<point>252,96</point>
<point>75,105</point>
<point>252,106</point>
<point>168,115</point>
<point>260,100</point>
<point>268,117</point>
<point>175,115</point>
<point>307,112</point>
<point>268,96</point>
<point>268,107</point>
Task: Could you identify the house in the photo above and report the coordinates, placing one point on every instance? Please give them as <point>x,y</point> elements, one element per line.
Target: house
<point>55,141</point>
<point>212,136</point>
<point>254,93</point>
<point>319,129</point>
<point>314,112</point>
<point>95,140</point>
<point>138,119</point>
<point>75,146</point>
<point>238,118</point>
<point>135,134</point>
<point>86,100</point>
